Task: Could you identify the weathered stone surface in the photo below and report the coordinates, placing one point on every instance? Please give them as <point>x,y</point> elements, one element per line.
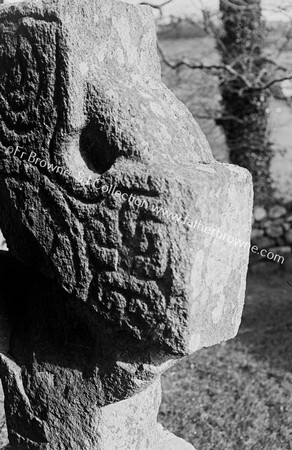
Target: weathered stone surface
<point>169,441</point>
<point>279,221</point>
<point>90,99</point>
<point>3,245</point>
<point>286,226</point>
<point>274,230</point>
<point>92,146</point>
<point>277,211</point>
<point>265,242</point>
<point>288,237</point>
<point>281,250</point>
<point>259,213</point>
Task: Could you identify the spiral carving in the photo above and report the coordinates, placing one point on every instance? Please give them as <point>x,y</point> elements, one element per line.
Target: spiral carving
<point>28,109</point>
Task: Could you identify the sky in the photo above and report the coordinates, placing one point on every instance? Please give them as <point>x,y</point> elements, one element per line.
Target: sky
<point>184,8</point>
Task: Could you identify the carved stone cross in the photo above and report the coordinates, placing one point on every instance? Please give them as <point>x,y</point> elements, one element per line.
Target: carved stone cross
<point>120,225</point>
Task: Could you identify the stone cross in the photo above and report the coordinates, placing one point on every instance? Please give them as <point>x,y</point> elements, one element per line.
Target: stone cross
<point>121,228</point>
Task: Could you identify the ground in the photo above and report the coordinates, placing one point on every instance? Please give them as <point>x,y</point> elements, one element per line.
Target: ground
<point>237,395</point>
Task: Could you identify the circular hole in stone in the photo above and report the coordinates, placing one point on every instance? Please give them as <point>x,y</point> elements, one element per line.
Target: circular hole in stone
<point>97,149</point>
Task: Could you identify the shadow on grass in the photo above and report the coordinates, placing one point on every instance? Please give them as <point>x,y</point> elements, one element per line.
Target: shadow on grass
<point>266,328</point>
<point>237,395</point>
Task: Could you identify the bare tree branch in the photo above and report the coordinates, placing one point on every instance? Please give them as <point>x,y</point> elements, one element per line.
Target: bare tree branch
<point>210,27</point>
<point>217,68</point>
<point>212,67</point>
<point>235,5</point>
<point>249,84</point>
<point>219,117</point>
<point>270,83</point>
<point>274,63</point>
<point>159,7</point>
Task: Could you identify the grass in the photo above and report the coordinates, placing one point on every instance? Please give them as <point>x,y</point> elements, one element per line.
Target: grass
<point>237,395</point>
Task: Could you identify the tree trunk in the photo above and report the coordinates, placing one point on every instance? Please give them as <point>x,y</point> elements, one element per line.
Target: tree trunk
<point>245,110</point>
